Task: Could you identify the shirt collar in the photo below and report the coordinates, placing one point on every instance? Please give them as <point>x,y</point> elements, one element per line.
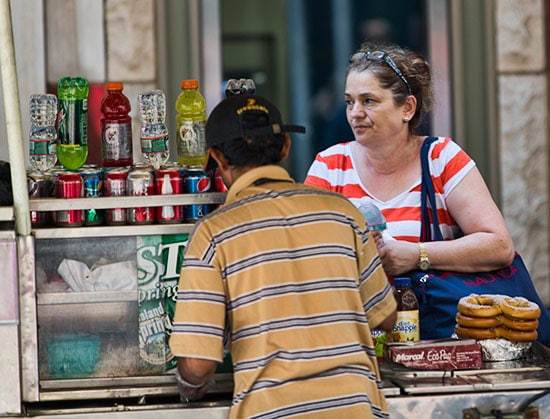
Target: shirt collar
<point>247,179</point>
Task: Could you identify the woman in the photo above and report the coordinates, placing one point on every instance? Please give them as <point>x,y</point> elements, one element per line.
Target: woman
<point>388,90</point>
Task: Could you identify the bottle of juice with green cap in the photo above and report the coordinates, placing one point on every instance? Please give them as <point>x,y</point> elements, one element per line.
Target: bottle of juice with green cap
<point>72,121</point>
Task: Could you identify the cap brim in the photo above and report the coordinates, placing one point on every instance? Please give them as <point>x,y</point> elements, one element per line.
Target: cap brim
<point>211,164</point>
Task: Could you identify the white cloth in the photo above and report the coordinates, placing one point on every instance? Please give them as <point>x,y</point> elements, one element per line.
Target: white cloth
<point>117,276</point>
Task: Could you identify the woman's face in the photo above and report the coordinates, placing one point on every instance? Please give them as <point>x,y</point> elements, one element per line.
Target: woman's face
<point>370,109</point>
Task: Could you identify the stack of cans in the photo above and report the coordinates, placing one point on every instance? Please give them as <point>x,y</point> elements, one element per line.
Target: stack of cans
<point>90,181</point>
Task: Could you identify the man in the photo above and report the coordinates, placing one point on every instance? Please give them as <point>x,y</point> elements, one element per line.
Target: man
<point>287,274</point>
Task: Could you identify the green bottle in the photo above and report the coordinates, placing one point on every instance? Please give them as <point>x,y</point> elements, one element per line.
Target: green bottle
<point>72,148</point>
<point>190,125</point>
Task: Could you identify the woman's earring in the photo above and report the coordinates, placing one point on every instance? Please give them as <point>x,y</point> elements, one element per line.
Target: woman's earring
<point>405,120</point>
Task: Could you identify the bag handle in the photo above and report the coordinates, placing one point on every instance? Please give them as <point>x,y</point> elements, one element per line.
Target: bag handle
<point>427,196</point>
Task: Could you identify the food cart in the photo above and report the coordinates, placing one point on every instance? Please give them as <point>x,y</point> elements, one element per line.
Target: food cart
<point>101,352</point>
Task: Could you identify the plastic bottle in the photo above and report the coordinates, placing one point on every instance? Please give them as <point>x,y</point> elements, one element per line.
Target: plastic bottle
<point>373,215</point>
<point>407,326</point>
<point>190,125</point>
<point>116,127</point>
<point>43,135</point>
<point>375,219</point>
<point>72,124</point>
<point>154,138</point>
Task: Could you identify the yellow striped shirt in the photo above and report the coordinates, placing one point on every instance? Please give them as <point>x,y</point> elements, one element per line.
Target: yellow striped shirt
<point>288,275</point>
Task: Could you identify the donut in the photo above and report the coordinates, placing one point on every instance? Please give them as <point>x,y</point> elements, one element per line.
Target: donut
<point>524,325</point>
<point>519,308</point>
<point>516,335</point>
<point>474,333</point>
<point>477,322</point>
<point>475,305</point>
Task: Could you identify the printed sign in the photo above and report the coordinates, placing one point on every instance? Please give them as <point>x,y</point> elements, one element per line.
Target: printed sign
<point>159,260</point>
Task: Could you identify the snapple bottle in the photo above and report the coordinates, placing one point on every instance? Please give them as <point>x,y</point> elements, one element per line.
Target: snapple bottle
<point>407,326</point>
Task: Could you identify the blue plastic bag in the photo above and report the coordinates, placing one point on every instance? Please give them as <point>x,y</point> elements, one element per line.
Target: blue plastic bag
<point>438,292</point>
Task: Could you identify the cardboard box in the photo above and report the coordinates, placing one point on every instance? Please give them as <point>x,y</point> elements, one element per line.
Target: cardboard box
<point>447,354</point>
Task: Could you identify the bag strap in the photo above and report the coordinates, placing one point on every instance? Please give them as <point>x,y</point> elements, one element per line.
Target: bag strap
<point>427,196</point>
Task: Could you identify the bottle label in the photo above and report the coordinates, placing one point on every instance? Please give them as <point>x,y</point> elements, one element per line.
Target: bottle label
<point>191,138</point>
<point>73,122</point>
<point>42,147</point>
<point>407,327</point>
<point>154,144</point>
<point>117,141</point>
<point>379,337</point>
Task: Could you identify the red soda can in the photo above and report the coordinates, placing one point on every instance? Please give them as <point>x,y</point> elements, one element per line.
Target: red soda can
<point>69,185</point>
<point>219,185</point>
<point>196,181</point>
<point>168,181</point>
<point>115,184</point>
<point>141,183</point>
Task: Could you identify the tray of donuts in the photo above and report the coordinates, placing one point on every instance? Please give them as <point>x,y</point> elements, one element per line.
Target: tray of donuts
<point>504,326</point>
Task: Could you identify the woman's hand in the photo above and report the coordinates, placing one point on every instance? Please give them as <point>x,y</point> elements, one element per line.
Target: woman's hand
<point>397,256</point>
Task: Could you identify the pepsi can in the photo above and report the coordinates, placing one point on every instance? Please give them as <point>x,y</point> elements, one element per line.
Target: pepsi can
<point>196,181</point>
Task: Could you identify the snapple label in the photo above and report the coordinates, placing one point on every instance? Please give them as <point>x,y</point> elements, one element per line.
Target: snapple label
<point>406,328</point>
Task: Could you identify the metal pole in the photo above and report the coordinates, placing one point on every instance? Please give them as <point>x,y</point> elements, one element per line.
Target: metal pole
<point>13,122</point>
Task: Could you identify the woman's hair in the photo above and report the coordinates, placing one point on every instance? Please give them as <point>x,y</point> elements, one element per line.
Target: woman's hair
<point>414,68</point>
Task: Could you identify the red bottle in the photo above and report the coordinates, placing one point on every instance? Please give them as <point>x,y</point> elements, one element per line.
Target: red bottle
<point>116,127</point>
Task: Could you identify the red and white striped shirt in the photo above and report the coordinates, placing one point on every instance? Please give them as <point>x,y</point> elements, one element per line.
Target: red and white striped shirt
<point>334,169</point>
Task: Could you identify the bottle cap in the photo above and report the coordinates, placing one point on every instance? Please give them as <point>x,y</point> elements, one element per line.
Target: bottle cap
<point>189,84</point>
<point>114,85</point>
<point>402,282</point>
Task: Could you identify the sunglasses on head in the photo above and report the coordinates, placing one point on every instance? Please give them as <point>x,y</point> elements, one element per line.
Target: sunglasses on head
<point>380,55</point>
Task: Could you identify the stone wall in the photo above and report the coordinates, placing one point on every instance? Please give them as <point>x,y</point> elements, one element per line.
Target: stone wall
<point>523,132</point>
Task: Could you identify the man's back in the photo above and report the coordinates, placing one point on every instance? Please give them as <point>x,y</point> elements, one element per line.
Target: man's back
<point>285,269</point>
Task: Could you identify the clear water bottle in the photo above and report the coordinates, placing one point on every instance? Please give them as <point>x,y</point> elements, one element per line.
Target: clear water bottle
<point>237,87</point>
<point>154,138</point>
<point>373,215</point>
<point>43,135</point>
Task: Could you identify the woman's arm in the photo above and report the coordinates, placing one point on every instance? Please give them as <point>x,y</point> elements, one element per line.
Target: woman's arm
<point>485,246</point>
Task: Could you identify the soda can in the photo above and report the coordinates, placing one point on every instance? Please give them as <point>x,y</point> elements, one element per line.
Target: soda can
<point>168,181</point>
<point>219,185</point>
<point>143,166</point>
<point>38,185</point>
<point>92,177</point>
<point>52,175</point>
<point>141,183</point>
<point>69,185</point>
<point>196,181</point>
<point>115,184</point>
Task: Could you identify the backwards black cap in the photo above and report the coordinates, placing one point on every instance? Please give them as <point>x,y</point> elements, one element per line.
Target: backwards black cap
<point>244,116</point>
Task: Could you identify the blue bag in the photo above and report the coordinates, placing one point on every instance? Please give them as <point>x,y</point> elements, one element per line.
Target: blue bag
<point>438,292</point>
